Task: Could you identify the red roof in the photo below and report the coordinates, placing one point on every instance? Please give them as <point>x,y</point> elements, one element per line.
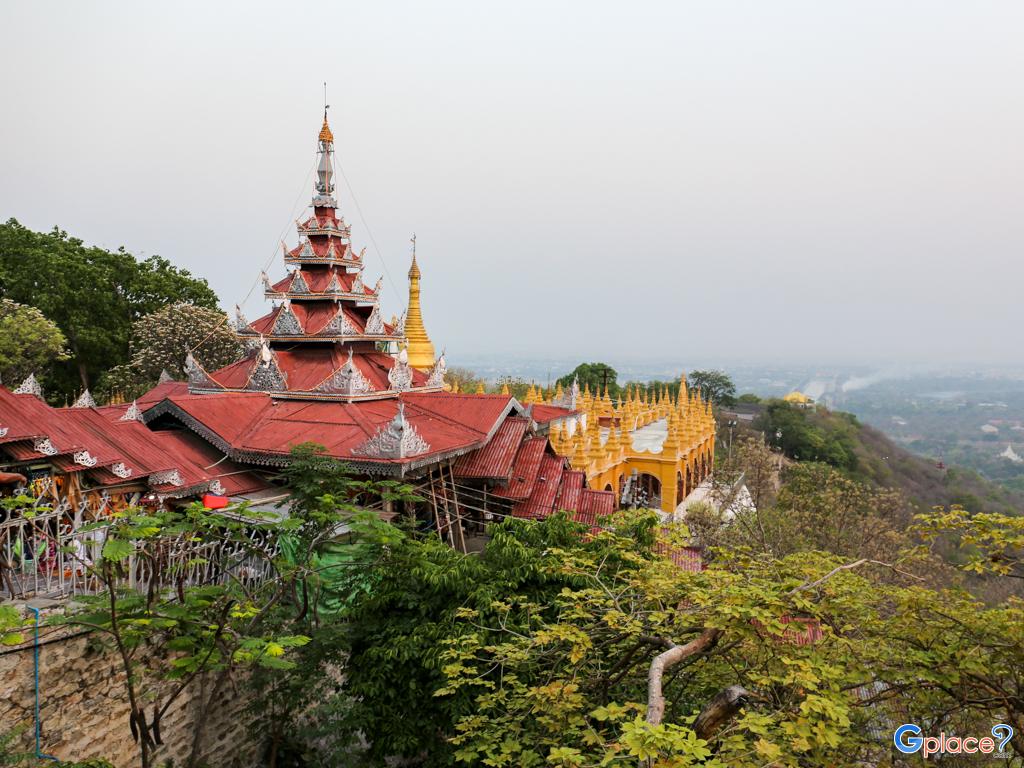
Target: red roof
<point>542,414</point>
<point>253,425</point>
<point>318,280</point>
<point>571,492</point>
<point>593,505</point>
<point>494,460</point>
<point>110,441</point>
<point>687,558</point>
<point>307,367</point>
<point>525,469</point>
<point>541,502</point>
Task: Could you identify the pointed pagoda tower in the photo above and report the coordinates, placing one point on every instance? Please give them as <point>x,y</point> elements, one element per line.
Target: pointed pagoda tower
<point>325,338</point>
<point>419,346</point>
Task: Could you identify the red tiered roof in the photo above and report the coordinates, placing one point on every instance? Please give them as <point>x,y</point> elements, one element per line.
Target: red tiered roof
<point>255,427</point>
<point>111,441</point>
<point>307,367</point>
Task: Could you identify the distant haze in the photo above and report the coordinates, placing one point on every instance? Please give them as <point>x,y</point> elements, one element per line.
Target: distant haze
<point>810,181</point>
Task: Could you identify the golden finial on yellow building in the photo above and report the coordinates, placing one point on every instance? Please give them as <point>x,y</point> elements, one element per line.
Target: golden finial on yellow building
<point>420,348</point>
<point>504,388</point>
<point>480,387</point>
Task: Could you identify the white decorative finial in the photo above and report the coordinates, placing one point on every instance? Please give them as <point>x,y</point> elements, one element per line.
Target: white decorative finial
<point>134,413</point>
<point>85,400</point>
<point>30,386</point>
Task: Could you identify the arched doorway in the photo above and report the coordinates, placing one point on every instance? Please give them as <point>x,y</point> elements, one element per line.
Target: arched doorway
<point>648,491</point>
<point>680,487</point>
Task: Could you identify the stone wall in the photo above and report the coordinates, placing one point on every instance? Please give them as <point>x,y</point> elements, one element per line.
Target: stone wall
<point>84,709</point>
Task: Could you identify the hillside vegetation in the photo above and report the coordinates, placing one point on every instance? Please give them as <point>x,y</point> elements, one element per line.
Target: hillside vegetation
<point>865,454</point>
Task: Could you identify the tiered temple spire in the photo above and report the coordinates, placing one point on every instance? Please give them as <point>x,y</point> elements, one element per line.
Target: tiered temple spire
<point>326,337</point>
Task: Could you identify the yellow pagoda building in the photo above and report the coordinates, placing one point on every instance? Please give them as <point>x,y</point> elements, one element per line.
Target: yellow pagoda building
<point>420,349</point>
<point>651,449</point>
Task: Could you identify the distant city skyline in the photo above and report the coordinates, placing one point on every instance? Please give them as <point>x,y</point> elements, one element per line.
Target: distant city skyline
<point>803,182</point>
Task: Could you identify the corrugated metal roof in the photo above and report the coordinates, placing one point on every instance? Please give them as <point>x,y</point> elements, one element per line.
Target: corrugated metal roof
<point>571,491</point>
<point>593,505</point>
<point>525,469</point>
<point>542,498</point>
<point>494,460</point>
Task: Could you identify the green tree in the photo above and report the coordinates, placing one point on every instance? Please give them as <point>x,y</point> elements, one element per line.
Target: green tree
<point>594,376</point>
<point>466,379</point>
<point>29,343</point>
<point>161,341</point>
<point>715,386</point>
<point>93,295</point>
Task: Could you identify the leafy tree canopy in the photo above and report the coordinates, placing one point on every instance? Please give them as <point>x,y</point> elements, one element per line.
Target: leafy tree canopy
<point>29,343</point>
<point>161,340</point>
<point>715,386</point>
<point>93,295</point>
<point>595,376</point>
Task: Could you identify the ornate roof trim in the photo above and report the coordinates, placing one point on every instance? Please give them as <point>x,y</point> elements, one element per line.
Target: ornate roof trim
<point>375,323</point>
<point>30,386</point>
<point>400,375</point>
<point>84,400</point>
<point>122,471</point>
<point>44,446</point>
<point>133,413</point>
<point>398,439</point>
<point>84,458</point>
<point>266,375</point>
<point>197,375</point>
<point>286,323</point>
<point>436,376</point>
<point>340,325</point>
<point>298,283</point>
<point>347,380</point>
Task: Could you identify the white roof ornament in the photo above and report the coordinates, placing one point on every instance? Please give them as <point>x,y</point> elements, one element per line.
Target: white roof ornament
<point>375,323</point>
<point>436,376</point>
<point>357,284</point>
<point>133,413</point>
<point>85,400</point>
<point>400,326</point>
<point>165,377</point>
<point>44,446</point>
<point>378,286</point>
<point>398,439</point>
<point>216,488</point>
<point>400,375</point>
<point>30,386</point>
<point>240,321</point>
<point>347,380</point>
<point>83,459</point>
<point>167,477</point>
<point>286,324</point>
<point>121,470</point>
<point>267,287</point>
<point>334,286</point>
<point>340,325</point>
<point>298,284</point>
<point>266,375</point>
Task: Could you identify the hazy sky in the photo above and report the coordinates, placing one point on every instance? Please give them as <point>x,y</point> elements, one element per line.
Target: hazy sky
<point>808,181</point>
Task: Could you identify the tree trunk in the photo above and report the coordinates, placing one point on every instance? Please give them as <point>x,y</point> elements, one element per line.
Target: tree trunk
<point>666,659</point>
<point>719,710</point>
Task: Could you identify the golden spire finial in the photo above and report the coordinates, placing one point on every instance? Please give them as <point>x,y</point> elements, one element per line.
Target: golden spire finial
<point>325,133</point>
<point>421,350</point>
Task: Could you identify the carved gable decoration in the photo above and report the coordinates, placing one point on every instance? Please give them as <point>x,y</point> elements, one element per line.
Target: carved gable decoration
<point>85,400</point>
<point>134,413</point>
<point>347,380</point>
<point>396,440</point>
<point>298,284</point>
<point>44,446</point>
<point>357,284</point>
<point>334,286</point>
<point>375,324</point>
<point>400,375</point>
<point>197,377</point>
<point>340,325</point>
<point>399,330</point>
<point>30,386</point>
<point>286,324</point>
<point>436,376</point>
<point>266,375</point>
